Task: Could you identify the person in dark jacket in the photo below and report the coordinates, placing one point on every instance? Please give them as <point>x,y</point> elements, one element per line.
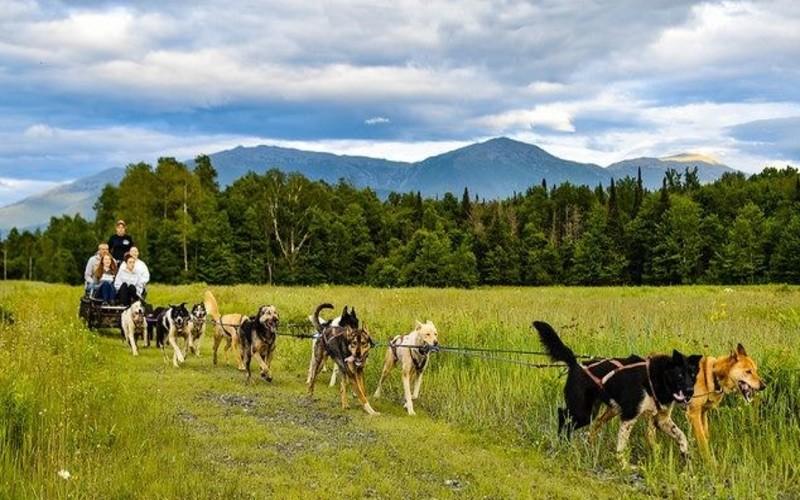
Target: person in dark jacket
<point>120,243</point>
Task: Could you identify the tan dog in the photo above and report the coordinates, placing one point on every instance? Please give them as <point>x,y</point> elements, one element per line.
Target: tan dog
<point>413,361</point>
<point>132,323</point>
<point>718,377</point>
<point>226,327</point>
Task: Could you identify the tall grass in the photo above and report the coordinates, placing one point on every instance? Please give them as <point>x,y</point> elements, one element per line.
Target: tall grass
<point>62,407</point>
<point>756,445</point>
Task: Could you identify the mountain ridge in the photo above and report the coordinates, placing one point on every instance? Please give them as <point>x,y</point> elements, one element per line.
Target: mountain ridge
<point>493,168</point>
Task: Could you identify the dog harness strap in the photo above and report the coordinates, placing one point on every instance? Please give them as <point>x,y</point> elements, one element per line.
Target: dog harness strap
<point>393,346</point>
<point>650,382</point>
<point>619,369</point>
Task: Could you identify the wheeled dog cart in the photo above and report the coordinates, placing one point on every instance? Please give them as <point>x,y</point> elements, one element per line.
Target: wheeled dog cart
<point>98,315</point>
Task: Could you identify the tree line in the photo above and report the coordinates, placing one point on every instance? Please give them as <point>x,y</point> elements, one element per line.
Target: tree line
<point>286,229</point>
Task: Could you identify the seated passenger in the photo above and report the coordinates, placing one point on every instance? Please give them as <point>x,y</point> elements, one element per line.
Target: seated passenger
<point>127,283</point>
<point>91,266</point>
<point>142,270</point>
<point>105,275</point>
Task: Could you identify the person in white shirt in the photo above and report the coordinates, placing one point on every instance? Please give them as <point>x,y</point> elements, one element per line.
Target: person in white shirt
<point>127,282</point>
<point>141,269</point>
<point>91,266</point>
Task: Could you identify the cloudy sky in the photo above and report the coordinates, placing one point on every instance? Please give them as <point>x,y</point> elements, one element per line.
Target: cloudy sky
<point>87,85</point>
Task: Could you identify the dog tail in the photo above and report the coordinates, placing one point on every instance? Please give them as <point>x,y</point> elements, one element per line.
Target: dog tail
<point>315,316</point>
<point>211,305</point>
<point>553,344</point>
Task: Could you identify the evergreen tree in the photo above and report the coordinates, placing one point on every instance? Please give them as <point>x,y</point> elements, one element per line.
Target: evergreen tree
<point>596,262</point>
<point>639,193</point>
<point>741,259</point>
<point>677,253</point>
<point>466,206</point>
<point>785,261</point>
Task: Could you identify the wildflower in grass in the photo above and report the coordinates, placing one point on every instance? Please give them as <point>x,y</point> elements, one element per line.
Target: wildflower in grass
<point>64,474</point>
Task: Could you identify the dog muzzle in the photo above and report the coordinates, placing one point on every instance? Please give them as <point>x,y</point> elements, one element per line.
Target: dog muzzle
<point>354,360</point>
<point>428,348</point>
<point>681,397</point>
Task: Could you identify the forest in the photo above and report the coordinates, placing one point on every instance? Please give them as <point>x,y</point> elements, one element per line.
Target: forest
<point>281,228</point>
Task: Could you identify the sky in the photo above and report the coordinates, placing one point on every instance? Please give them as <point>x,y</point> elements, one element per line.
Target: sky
<point>88,85</point>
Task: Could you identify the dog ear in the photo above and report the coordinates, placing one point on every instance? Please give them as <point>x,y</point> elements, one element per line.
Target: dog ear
<point>694,359</point>
<point>740,350</point>
<point>417,324</point>
<point>677,356</point>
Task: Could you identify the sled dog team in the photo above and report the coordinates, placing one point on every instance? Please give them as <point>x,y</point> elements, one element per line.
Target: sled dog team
<point>631,388</point>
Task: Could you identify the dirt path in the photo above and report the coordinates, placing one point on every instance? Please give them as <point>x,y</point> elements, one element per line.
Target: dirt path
<point>271,440</point>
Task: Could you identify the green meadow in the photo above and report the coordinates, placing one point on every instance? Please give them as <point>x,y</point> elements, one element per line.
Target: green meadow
<point>82,418</point>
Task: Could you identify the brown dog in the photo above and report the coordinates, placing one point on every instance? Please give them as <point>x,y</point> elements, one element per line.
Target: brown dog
<point>257,337</point>
<point>349,348</point>
<point>226,327</point>
<point>718,377</point>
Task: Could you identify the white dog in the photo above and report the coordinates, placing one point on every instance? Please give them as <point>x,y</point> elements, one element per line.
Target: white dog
<point>413,360</point>
<point>132,321</point>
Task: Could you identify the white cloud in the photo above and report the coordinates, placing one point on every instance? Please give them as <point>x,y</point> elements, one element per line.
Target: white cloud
<point>377,120</point>
<point>596,83</point>
<point>12,189</point>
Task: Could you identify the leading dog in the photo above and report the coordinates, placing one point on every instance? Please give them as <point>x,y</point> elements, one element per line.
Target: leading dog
<point>413,360</point>
<point>650,386</point>
<point>349,349</point>
<point>257,337</point>
<point>716,378</point>
<point>132,323</point>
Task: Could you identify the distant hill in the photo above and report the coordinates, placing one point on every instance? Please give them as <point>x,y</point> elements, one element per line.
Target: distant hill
<point>497,168</point>
<point>653,169</point>
<point>77,197</point>
<point>492,169</point>
<point>360,170</point>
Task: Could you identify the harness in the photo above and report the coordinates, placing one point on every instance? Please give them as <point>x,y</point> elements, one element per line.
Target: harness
<point>620,367</point>
<point>420,361</point>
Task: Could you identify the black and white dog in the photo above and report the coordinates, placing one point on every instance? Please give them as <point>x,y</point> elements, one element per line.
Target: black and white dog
<point>347,318</point>
<point>631,388</point>
<point>171,323</point>
<point>198,328</point>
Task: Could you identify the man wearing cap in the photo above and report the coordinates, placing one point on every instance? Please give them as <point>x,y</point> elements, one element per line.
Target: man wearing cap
<point>120,243</point>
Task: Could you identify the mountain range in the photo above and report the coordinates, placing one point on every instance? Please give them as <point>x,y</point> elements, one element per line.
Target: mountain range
<point>492,169</point>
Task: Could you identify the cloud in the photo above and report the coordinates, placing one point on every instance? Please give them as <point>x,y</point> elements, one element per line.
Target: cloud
<point>377,120</point>
<point>12,190</point>
<point>86,85</point>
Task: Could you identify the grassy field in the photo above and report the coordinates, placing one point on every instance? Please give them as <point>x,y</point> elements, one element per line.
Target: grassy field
<point>122,427</point>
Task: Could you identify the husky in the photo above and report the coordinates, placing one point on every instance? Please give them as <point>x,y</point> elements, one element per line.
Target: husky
<point>171,323</point>
<point>347,318</point>
<point>648,387</point>
<point>349,348</point>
